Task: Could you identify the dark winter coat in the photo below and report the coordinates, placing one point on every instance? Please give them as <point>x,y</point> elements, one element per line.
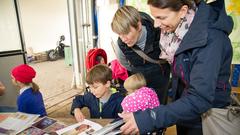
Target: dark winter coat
<point>109,110</point>
<point>201,72</point>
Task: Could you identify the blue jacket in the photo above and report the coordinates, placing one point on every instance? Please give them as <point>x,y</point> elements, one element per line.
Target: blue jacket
<point>201,72</point>
<point>31,102</point>
<point>109,110</point>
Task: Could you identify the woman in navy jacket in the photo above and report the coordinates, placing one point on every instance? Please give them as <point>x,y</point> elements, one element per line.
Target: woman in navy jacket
<point>200,66</point>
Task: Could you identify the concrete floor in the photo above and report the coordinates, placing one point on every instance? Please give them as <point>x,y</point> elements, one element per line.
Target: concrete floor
<point>53,77</point>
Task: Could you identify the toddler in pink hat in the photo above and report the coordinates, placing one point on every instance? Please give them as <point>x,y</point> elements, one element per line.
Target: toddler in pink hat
<point>140,97</point>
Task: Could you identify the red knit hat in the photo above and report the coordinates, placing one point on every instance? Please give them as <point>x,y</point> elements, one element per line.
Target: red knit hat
<point>23,73</point>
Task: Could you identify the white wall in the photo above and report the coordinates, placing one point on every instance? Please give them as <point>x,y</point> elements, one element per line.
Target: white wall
<point>106,11</point>
<point>9,30</point>
<point>43,22</point>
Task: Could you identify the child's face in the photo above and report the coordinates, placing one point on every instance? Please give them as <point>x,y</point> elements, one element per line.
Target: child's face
<point>102,61</point>
<point>99,90</point>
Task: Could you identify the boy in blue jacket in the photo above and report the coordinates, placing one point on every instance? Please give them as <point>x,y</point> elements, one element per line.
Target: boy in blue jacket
<point>102,101</point>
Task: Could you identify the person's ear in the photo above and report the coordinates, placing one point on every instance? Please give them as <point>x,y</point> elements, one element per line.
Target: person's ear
<point>108,84</point>
<point>14,81</point>
<point>139,26</point>
<point>183,11</point>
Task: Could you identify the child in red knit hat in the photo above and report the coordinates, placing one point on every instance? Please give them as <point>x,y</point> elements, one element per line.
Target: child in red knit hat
<point>30,99</point>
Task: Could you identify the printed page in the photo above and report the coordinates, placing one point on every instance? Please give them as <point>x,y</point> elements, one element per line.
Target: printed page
<point>18,121</point>
<point>86,127</point>
<point>109,129</point>
<point>44,126</point>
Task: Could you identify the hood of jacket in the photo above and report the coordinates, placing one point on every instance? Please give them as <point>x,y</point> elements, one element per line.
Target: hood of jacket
<point>212,16</point>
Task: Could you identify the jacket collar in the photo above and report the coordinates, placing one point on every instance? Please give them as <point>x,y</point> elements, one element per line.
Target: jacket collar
<point>198,31</point>
<point>24,89</point>
<point>152,33</point>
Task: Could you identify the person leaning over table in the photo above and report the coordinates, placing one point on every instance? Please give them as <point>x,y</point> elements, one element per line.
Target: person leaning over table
<point>135,30</point>
<point>196,43</point>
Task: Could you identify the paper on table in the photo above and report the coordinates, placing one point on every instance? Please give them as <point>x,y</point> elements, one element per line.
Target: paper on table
<point>45,125</point>
<point>109,128</point>
<point>82,128</point>
<point>18,121</point>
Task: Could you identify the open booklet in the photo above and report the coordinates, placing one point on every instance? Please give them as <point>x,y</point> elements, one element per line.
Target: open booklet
<point>88,127</point>
<point>44,126</point>
<point>13,123</point>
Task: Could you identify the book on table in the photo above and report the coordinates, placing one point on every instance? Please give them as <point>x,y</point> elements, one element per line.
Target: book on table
<point>88,127</point>
<point>13,123</point>
<point>28,124</point>
<point>44,126</point>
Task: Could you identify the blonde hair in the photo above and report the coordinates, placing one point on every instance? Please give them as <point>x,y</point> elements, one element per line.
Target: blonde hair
<point>134,82</point>
<point>125,17</point>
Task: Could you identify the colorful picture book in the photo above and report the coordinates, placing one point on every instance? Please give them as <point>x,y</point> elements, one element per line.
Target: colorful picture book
<point>44,126</point>
<point>13,123</point>
<point>82,128</point>
<point>88,127</point>
<point>29,124</point>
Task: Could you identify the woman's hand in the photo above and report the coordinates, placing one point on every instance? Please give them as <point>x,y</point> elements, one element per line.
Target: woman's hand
<point>130,126</point>
<point>78,115</point>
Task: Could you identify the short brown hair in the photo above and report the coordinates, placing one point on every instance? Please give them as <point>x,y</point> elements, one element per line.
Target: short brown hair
<point>134,82</point>
<point>125,17</point>
<point>99,73</point>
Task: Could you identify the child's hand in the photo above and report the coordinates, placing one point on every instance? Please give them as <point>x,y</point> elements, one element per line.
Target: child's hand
<point>78,115</point>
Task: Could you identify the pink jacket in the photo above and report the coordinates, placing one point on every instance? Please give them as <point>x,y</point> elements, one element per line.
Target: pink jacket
<point>141,99</point>
<point>119,72</point>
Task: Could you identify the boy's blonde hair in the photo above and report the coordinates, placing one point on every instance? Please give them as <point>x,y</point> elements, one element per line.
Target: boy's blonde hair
<point>99,73</point>
<point>125,17</point>
<point>134,82</point>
